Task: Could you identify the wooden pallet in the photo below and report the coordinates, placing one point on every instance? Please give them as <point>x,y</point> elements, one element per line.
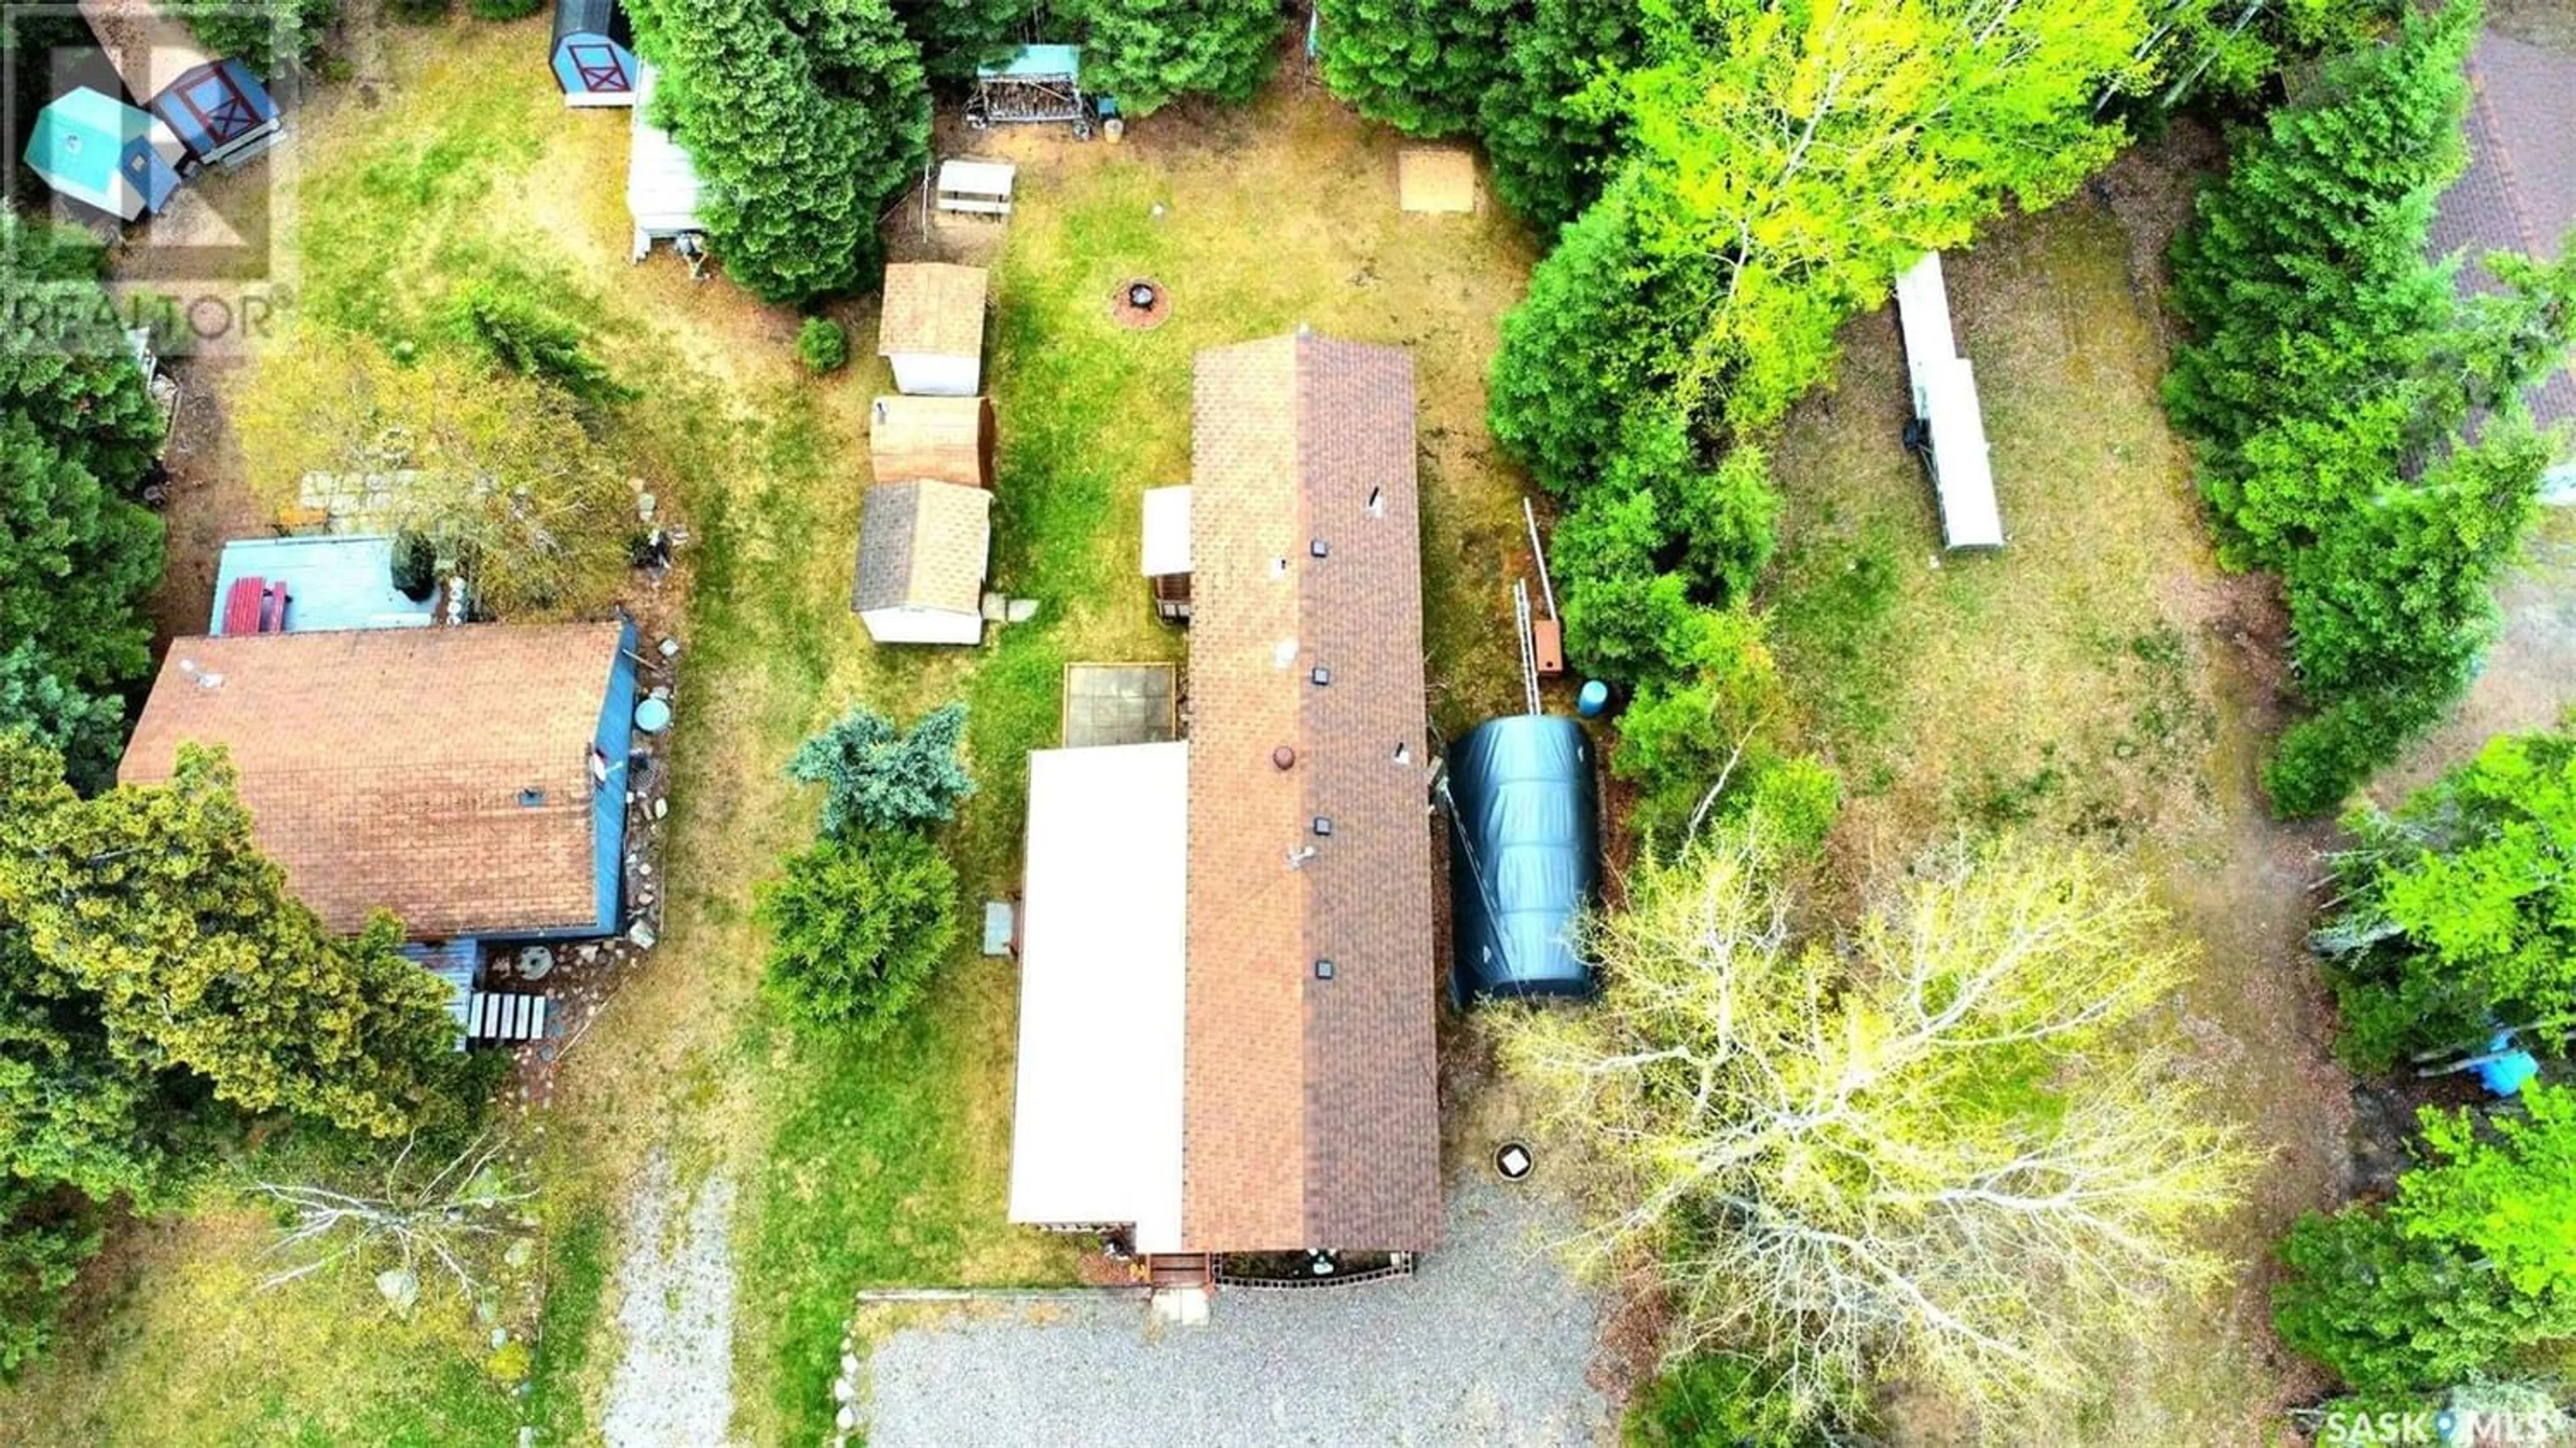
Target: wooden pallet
<point>1165,1270</point>
<point>507,1019</point>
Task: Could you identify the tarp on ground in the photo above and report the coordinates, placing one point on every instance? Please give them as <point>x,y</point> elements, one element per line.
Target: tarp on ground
<point>1524,857</point>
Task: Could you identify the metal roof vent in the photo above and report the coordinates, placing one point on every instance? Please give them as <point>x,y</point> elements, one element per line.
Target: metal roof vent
<point>1279,567</point>
<point>1283,653</point>
<point>1283,757</point>
<point>531,797</point>
<point>1319,548</point>
<point>1323,824</point>
<point>1403,753</point>
<point>1321,676</point>
<point>1377,503</point>
<point>1323,969</point>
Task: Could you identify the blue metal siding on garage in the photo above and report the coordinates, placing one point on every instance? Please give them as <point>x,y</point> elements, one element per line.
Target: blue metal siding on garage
<point>614,737</point>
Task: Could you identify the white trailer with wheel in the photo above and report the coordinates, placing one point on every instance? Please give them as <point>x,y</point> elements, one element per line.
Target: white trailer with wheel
<point>1949,426</point>
<point>662,187</point>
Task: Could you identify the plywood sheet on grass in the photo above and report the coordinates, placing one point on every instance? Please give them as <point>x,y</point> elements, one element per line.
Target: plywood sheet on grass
<point>1435,179</point>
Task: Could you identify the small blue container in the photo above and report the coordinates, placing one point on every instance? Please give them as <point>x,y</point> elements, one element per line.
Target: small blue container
<point>653,716</point>
<point>1594,698</point>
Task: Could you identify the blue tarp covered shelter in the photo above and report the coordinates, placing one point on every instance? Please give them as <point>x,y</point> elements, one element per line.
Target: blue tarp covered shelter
<point>1037,62</point>
<point>95,148</point>
<point>1524,857</point>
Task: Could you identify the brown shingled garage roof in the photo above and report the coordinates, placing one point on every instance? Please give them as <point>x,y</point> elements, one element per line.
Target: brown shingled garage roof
<point>440,773</point>
<point>1312,1114</point>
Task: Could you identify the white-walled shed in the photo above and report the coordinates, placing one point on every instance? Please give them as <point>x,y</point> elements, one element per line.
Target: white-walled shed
<point>932,328</point>
<point>662,186</point>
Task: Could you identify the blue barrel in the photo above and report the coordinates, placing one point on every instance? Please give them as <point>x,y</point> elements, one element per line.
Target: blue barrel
<point>653,716</point>
<point>1594,698</point>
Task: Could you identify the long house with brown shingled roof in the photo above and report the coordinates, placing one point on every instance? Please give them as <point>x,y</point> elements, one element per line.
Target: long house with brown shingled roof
<point>1243,1060</point>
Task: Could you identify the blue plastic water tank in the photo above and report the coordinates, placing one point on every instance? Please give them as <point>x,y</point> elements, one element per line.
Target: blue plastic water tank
<point>1594,698</point>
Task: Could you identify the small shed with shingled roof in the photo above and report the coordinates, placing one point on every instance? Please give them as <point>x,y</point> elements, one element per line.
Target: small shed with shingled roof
<point>920,574</point>
<point>932,439</point>
<point>932,328</point>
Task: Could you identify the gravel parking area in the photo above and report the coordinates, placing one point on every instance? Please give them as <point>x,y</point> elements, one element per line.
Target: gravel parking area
<point>1487,1344</point>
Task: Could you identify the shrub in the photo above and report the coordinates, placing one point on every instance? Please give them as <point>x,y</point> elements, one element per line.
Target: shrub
<point>266,38</point>
<point>418,12</point>
<point>45,1235</point>
<point>503,9</point>
<point>1798,800</point>
<point>1708,719</point>
<point>1710,1400</point>
<point>822,344</point>
<point>512,330</point>
<point>2459,909</point>
<point>857,926</point>
<point>877,777</point>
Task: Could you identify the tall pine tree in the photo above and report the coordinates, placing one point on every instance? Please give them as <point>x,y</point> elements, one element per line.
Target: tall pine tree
<point>1421,66</point>
<point>152,902</point>
<point>1148,53</point>
<point>804,118</point>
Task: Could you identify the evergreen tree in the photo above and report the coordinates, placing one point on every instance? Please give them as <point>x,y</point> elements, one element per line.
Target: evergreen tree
<point>78,430</point>
<point>857,926</point>
<point>1421,66</point>
<point>1149,53</point>
<point>2472,1263</point>
<point>64,363</point>
<point>2356,427</point>
<point>879,778</point>
<point>2303,277</point>
<point>803,117</point>
<point>956,36</point>
<point>1550,121</point>
<point>152,902</point>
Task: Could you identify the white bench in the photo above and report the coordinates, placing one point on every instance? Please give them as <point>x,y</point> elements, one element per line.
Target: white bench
<point>976,188</point>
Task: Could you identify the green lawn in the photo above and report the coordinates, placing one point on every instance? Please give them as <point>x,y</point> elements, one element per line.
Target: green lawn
<point>855,1165</point>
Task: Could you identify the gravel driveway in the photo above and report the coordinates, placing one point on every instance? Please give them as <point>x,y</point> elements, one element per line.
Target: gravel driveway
<point>1487,1344</point>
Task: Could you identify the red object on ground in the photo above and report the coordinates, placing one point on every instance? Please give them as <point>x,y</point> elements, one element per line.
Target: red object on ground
<point>274,620</point>
<point>246,606</point>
